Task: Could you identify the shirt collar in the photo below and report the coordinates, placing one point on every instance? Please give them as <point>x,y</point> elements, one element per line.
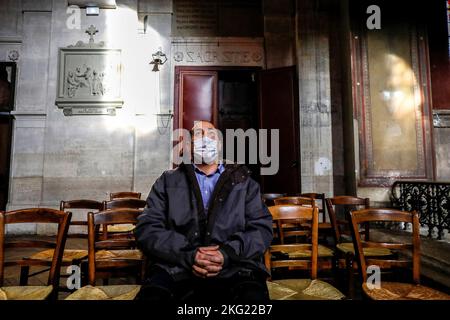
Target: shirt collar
<point>220,169</point>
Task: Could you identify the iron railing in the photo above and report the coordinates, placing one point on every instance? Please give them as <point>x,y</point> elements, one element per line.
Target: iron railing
<point>430,199</point>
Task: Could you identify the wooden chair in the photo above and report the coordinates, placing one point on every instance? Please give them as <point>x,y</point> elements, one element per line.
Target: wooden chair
<point>124,194</point>
<point>345,253</point>
<point>391,290</point>
<point>341,226</point>
<point>70,256</point>
<point>269,197</point>
<point>305,256</point>
<point>130,203</point>
<point>283,214</point>
<point>123,230</point>
<point>80,205</point>
<point>325,227</point>
<point>39,215</point>
<point>109,256</point>
<point>301,201</point>
<point>289,229</point>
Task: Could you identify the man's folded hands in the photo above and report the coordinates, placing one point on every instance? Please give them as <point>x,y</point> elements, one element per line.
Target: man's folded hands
<point>208,262</point>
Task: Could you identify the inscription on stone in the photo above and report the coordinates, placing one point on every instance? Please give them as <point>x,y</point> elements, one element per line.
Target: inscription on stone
<point>195,17</point>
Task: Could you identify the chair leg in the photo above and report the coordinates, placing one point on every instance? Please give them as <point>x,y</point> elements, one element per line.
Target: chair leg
<point>24,272</point>
<point>84,274</point>
<point>350,276</point>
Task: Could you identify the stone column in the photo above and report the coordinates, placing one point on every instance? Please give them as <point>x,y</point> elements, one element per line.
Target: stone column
<point>312,43</point>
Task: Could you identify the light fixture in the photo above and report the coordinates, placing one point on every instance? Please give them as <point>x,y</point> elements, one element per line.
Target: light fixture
<point>163,121</point>
<point>159,58</point>
<point>92,11</point>
<point>101,4</point>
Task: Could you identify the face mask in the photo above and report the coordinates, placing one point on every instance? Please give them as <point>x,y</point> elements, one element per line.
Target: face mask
<point>205,150</point>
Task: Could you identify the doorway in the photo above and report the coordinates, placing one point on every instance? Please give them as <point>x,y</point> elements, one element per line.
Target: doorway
<point>7,87</point>
<point>245,98</point>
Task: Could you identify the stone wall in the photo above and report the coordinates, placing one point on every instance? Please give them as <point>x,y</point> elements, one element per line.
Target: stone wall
<point>56,157</point>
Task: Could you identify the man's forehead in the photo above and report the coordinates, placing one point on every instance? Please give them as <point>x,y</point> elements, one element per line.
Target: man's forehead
<point>203,125</point>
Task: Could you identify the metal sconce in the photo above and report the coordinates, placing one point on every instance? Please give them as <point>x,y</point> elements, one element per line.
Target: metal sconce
<point>163,121</point>
<point>159,58</point>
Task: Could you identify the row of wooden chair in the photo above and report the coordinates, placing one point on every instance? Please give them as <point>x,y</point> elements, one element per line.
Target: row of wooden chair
<point>292,256</point>
<point>341,255</point>
<point>110,251</point>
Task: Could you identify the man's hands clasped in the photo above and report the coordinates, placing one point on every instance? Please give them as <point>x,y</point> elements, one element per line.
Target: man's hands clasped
<point>208,262</point>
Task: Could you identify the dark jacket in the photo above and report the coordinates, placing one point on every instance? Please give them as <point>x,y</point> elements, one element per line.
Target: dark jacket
<point>174,224</point>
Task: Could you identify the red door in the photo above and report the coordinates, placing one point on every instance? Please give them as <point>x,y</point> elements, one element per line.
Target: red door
<point>196,97</point>
<point>279,110</point>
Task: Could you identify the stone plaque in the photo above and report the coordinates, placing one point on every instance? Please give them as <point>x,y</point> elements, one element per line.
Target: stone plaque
<point>223,18</point>
<point>195,17</point>
<point>89,79</point>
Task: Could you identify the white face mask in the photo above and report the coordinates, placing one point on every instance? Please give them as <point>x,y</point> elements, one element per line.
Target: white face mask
<point>205,150</point>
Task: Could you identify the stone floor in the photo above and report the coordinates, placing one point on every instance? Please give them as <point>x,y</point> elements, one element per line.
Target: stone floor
<point>12,274</point>
<point>435,263</point>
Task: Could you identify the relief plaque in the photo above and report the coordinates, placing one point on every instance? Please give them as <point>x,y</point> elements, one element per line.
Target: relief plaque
<point>89,78</point>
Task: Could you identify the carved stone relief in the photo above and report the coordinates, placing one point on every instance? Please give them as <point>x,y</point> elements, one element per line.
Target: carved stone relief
<point>89,78</point>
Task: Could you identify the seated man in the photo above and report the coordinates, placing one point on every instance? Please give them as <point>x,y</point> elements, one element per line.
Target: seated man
<point>205,229</point>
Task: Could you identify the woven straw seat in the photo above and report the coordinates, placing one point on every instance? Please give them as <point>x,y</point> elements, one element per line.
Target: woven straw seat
<point>69,255</point>
<point>347,247</point>
<point>25,292</point>
<point>118,254</point>
<point>118,292</point>
<point>306,253</point>
<point>403,291</point>
<point>302,289</point>
<point>119,228</point>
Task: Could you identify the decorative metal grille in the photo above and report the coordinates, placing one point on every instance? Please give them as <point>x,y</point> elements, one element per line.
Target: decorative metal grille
<point>430,199</point>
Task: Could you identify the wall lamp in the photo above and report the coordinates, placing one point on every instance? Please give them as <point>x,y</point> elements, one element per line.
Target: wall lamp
<point>159,58</point>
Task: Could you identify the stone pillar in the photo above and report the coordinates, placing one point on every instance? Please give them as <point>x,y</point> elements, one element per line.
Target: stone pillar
<point>30,111</point>
<point>279,33</point>
<point>312,43</point>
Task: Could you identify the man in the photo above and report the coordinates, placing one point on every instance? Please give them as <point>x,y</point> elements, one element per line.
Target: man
<point>205,229</point>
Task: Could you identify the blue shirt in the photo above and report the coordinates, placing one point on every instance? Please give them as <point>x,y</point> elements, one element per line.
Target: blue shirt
<point>207,183</point>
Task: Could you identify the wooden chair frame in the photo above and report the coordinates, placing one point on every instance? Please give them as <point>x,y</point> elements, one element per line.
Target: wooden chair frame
<point>80,204</point>
<point>122,203</point>
<point>283,213</point>
<point>105,218</point>
<point>345,260</point>
<point>386,215</point>
<point>124,194</point>
<point>345,201</point>
<point>38,215</point>
<point>269,197</point>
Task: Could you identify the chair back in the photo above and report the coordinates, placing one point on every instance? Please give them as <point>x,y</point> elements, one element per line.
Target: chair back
<point>386,215</point>
<point>105,218</point>
<point>82,204</point>
<point>269,197</point>
<point>124,194</point>
<point>35,215</point>
<point>123,203</point>
<point>283,213</point>
<point>300,201</point>
<point>341,224</point>
<point>320,202</point>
